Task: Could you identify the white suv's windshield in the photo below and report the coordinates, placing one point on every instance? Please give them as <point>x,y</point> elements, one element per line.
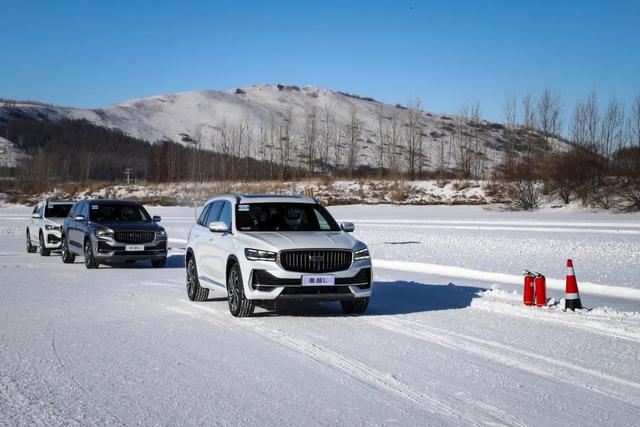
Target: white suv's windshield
<point>57,210</point>
<point>284,217</point>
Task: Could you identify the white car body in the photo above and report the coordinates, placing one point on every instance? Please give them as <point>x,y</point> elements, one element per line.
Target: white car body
<point>214,250</point>
<point>49,227</point>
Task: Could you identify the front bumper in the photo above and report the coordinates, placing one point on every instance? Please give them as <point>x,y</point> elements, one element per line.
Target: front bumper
<point>52,239</point>
<point>268,283</point>
<point>109,250</point>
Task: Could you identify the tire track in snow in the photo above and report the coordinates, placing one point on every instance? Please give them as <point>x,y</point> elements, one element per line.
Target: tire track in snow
<point>549,368</point>
<point>363,373</point>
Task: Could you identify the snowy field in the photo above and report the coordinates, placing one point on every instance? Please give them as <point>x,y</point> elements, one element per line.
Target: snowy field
<point>444,342</point>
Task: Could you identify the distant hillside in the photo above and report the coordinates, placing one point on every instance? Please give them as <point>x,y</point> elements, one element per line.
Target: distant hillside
<point>205,116</point>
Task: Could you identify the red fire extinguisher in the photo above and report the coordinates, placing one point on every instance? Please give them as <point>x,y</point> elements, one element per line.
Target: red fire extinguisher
<point>541,290</point>
<point>528,287</point>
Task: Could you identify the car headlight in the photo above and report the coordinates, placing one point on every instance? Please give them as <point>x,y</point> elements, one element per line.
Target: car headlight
<point>161,232</point>
<point>103,232</point>
<point>49,227</point>
<point>361,254</point>
<point>259,255</point>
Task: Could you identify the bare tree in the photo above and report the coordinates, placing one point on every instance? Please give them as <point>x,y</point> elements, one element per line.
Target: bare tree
<point>352,131</point>
<point>285,143</point>
<point>528,113</point>
<point>382,140</point>
<point>328,135</point>
<point>310,139</point>
<point>612,128</point>
<point>549,113</point>
<point>633,123</point>
<point>394,144</point>
<point>510,120</point>
<point>413,138</point>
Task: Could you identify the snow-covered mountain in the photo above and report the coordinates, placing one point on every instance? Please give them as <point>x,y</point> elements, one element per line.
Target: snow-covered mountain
<point>180,116</point>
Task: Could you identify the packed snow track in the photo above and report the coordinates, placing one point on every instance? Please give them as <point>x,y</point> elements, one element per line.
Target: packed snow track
<point>445,340</point>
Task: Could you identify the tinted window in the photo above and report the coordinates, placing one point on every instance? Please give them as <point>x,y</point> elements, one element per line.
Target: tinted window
<point>202,220</point>
<point>225,215</point>
<point>74,209</point>
<point>214,213</point>
<point>118,213</point>
<point>57,210</point>
<point>284,217</point>
<point>84,211</point>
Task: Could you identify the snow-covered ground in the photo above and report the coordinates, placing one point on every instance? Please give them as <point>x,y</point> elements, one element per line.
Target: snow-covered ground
<point>445,341</point>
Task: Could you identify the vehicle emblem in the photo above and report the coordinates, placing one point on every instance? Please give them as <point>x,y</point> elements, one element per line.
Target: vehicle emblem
<point>316,258</point>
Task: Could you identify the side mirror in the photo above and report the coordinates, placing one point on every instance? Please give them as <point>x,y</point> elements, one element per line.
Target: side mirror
<point>79,218</point>
<point>218,226</point>
<point>347,227</point>
<point>156,218</point>
<point>35,215</point>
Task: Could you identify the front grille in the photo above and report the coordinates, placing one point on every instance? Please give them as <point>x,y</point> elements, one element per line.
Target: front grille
<point>316,261</point>
<point>263,280</point>
<point>134,236</point>
<point>105,247</point>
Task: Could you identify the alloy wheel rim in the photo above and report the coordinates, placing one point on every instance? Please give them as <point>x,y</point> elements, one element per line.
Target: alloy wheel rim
<point>233,290</point>
<point>191,279</point>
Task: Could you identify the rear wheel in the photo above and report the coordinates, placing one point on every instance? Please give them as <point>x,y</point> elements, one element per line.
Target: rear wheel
<point>89,260</point>
<point>159,263</point>
<point>44,251</point>
<point>195,292</point>
<point>239,305</point>
<point>30,247</point>
<point>355,306</point>
<point>67,257</point>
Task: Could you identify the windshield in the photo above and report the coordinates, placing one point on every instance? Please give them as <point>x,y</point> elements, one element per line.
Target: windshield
<point>58,210</point>
<point>284,217</point>
<point>118,213</point>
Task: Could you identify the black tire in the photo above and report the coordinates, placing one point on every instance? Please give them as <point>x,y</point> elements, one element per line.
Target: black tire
<point>67,257</point>
<point>195,292</point>
<point>239,305</point>
<point>159,263</point>
<point>30,247</point>
<point>355,306</point>
<point>44,251</point>
<point>89,260</point>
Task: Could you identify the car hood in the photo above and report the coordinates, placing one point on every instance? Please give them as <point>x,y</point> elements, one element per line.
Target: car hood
<point>54,221</point>
<point>275,241</point>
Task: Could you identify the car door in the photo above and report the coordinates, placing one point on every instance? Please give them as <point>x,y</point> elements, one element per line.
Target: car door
<point>34,225</point>
<point>205,247</point>
<point>74,235</point>
<point>219,245</point>
<point>197,232</point>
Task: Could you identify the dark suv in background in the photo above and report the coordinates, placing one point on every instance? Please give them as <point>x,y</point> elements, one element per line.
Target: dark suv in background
<point>105,231</point>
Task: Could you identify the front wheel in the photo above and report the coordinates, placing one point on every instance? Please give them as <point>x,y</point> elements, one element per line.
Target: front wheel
<point>355,306</point>
<point>239,305</point>
<point>44,251</point>
<point>67,257</point>
<point>195,292</point>
<point>89,260</point>
<point>30,247</point>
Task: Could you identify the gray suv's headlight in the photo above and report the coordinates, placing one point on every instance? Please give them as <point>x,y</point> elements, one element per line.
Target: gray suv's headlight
<point>259,255</point>
<point>361,254</point>
<point>103,232</point>
<point>49,227</point>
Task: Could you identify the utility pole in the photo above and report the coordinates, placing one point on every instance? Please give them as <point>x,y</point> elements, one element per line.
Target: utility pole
<point>128,172</point>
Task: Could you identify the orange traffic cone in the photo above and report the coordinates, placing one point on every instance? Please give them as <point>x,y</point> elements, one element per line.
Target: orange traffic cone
<point>572,297</point>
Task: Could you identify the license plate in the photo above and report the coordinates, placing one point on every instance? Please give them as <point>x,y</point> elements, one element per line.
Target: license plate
<point>318,280</point>
<point>134,248</point>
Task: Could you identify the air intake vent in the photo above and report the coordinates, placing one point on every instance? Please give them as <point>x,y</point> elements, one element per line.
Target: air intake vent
<point>316,261</point>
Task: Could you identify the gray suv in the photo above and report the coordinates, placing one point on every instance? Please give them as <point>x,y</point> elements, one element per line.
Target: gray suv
<point>104,231</point>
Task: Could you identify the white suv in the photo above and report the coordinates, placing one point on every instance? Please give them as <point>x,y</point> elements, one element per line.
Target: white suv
<point>269,248</point>
<point>44,230</point>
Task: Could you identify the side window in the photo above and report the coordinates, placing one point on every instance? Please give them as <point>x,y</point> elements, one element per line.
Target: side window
<point>35,209</point>
<point>225,215</point>
<point>41,210</point>
<point>74,209</point>
<point>203,215</point>
<point>214,213</point>
<point>85,210</point>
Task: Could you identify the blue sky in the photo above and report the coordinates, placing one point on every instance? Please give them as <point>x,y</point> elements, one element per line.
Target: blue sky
<point>94,53</point>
